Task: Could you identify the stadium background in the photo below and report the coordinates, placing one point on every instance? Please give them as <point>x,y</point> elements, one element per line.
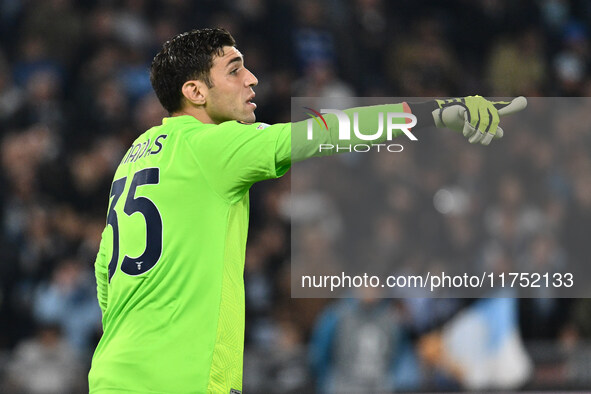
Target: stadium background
<point>74,93</point>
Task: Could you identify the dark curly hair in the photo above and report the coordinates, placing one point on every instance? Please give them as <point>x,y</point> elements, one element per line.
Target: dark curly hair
<point>187,56</point>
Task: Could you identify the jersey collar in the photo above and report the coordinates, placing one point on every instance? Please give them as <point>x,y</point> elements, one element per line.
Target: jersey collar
<point>180,119</point>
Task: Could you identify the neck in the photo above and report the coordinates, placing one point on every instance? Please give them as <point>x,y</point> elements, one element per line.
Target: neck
<point>198,113</point>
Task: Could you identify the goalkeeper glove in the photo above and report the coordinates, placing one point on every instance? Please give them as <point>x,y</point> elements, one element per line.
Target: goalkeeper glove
<point>475,117</point>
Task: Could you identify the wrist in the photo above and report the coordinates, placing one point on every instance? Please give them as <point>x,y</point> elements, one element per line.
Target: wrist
<point>424,112</point>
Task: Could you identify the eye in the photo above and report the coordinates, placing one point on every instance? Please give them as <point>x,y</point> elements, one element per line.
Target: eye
<point>234,71</point>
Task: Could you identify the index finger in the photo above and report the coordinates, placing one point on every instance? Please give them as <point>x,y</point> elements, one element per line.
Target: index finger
<point>508,108</point>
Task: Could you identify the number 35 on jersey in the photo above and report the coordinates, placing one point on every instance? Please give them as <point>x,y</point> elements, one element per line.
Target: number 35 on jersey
<point>136,204</point>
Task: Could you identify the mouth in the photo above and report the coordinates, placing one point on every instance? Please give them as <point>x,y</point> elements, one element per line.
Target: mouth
<point>250,102</point>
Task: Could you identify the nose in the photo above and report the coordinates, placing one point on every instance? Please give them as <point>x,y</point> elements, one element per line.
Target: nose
<point>251,80</point>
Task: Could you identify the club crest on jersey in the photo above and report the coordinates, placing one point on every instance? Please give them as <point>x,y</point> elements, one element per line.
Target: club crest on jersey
<point>262,126</point>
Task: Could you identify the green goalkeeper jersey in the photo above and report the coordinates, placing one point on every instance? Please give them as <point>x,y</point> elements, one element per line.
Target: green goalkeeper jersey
<point>173,296</point>
<point>170,265</point>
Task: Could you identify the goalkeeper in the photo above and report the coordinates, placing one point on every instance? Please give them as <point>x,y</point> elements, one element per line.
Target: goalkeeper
<point>170,265</point>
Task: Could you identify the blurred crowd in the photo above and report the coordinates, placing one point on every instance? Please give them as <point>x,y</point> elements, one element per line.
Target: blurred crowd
<point>75,92</point>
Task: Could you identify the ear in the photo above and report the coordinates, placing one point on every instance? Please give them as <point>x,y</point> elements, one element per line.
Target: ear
<point>195,92</point>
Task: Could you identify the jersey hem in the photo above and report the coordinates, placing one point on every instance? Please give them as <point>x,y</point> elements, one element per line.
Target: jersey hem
<point>114,390</point>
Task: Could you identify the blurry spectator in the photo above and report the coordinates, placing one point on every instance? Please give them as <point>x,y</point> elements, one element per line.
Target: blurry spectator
<point>483,349</point>
<point>423,65</point>
<point>517,65</point>
<point>43,103</point>
<point>33,56</point>
<point>110,108</point>
<point>69,300</point>
<point>578,222</point>
<point>265,253</point>
<point>283,368</point>
<point>313,43</point>
<point>389,239</point>
<point>45,364</point>
<point>571,65</point>
<point>543,254</point>
<point>134,75</point>
<point>320,80</point>
<point>439,370</point>
<point>289,371</point>
<point>39,246</point>
<point>11,97</point>
<point>59,24</point>
<point>555,13</point>
<point>513,220</point>
<point>578,324</point>
<point>462,242</point>
<point>10,16</point>
<point>22,155</point>
<point>90,174</point>
<point>355,346</point>
<point>130,24</point>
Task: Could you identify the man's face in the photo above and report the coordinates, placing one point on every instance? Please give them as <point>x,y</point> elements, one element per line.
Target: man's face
<point>231,96</point>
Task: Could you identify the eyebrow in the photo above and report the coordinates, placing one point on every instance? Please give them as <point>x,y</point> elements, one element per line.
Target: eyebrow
<point>234,60</point>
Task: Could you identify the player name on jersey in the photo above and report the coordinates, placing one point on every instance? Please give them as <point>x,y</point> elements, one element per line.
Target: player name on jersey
<point>143,149</point>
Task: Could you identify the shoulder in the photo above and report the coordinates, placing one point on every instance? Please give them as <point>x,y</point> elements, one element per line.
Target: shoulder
<point>244,125</point>
<point>237,129</point>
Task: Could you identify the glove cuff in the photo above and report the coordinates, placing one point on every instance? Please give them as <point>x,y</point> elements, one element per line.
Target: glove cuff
<point>437,116</point>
